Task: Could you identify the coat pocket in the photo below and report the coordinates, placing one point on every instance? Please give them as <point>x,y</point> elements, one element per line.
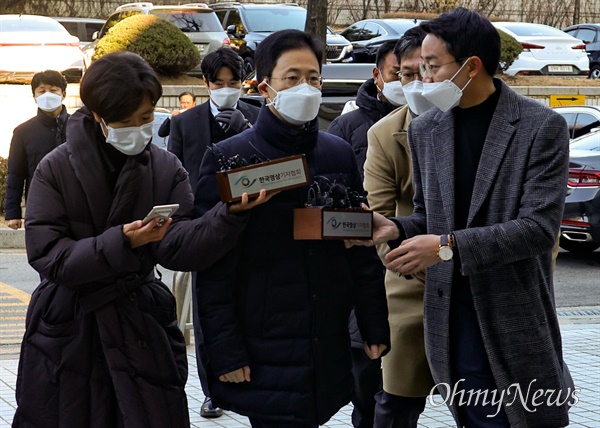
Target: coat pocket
<point>57,306</point>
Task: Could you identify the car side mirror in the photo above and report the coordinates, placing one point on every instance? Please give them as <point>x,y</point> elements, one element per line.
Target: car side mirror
<point>95,35</point>
<point>231,30</point>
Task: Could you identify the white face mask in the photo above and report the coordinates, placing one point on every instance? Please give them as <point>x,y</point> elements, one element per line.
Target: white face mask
<point>49,101</point>
<point>444,95</point>
<point>131,140</point>
<point>225,97</point>
<point>416,103</point>
<point>298,104</point>
<point>392,91</point>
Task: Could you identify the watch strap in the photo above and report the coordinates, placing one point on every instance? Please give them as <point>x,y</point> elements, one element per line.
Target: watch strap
<point>443,240</point>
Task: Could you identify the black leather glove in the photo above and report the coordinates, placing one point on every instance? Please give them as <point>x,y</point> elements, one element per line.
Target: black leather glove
<point>232,121</point>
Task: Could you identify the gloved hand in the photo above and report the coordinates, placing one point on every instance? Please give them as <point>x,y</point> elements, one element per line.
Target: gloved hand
<point>232,120</point>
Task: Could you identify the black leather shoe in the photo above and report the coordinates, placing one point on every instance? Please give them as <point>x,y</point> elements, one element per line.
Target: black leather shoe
<point>208,411</point>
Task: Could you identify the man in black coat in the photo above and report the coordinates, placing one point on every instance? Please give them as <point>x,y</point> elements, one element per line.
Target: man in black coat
<point>34,139</point>
<point>187,100</point>
<point>275,310</point>
<point>376,98</point>
<point>222,116</point>
<point>192,131</point>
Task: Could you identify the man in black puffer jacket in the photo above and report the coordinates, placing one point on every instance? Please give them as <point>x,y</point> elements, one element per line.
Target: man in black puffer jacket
<point>274,310</point>
<point>376,98</point>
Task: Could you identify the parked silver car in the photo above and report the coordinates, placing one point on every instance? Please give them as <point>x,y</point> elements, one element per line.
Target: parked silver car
<point>581,119</point>
<point>248,24</point>
<point>546,51</point>
<point>196,20</point>
<point>32,43</point>
<point>82,28</point>
<point>580,227</point>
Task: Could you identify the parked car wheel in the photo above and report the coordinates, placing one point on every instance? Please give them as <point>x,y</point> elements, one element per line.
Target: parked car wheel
<point>578,247</point>
<point>595,72</point>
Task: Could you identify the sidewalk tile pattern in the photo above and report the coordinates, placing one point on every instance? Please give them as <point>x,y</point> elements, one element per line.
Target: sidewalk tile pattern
<point>581,352</point>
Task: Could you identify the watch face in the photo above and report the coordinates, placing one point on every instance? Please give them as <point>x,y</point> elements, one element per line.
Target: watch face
<point>445,253</point>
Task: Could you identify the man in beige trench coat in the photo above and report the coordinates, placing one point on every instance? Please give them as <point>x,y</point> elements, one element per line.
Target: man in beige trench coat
<point>388,180</point>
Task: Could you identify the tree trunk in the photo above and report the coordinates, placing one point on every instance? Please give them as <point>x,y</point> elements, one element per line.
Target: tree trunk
<point>316,22</point>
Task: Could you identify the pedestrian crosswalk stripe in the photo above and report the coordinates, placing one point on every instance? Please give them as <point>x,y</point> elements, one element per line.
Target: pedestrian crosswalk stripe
<point>13,309</point>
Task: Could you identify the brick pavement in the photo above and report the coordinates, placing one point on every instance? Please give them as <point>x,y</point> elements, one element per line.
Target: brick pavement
<point>581,341</point>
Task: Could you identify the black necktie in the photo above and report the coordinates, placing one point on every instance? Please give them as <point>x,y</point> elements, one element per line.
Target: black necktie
<point>58,137</point>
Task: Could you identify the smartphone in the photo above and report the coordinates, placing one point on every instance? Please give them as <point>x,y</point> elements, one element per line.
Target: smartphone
<point>162,211</point>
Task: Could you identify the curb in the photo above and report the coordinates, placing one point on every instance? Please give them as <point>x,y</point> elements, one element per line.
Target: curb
<point>10,238</point>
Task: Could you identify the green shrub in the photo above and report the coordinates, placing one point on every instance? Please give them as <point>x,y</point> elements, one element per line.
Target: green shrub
<point>3,176</point>
<point>509,50</point>
<point>166,48</point>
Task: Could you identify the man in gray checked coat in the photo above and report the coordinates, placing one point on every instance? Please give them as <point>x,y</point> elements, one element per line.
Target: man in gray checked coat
<point>490,170</point>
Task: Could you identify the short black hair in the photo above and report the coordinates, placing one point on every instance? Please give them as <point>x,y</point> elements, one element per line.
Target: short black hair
<point>222,57</point>
<point>466,34</point>
<point>383,50</point>
<point>412,39</point>
<point>48,77</point>
<point>279,42</point>
<point>116,84</point>
<point>184,93</point>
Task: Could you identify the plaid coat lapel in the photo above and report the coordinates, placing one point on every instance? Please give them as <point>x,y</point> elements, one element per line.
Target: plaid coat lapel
<point>499,136</point>
<point>442,142</point>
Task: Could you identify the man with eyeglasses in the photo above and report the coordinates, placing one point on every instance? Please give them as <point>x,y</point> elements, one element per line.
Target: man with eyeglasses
<point>388,181</point>
<point>275,310</point>
<point>490,168</point>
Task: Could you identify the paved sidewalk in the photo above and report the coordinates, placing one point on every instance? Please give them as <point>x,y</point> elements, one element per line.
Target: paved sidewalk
<point>581,343</point>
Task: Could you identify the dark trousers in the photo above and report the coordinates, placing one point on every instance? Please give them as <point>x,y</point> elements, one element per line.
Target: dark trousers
<point>469,361</point>
<point>367,383</point>
<point>394,411</point>
<point>261,423</point>
<point>201,357</point>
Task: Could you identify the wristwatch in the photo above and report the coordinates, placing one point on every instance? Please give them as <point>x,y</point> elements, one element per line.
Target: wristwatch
<point>445,252</point>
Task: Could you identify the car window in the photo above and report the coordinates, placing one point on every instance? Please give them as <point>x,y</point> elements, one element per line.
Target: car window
<point>71,28</point>
<point>90,29</point>
<point>401,26</point>
<point>275,19</point>
<point>371,31</point>
<point>352,33</point>
<point>533,30</point>
<point>570,118</point>
<point>190,21</point>
<point>235,19</point>
<point>221,15</point>
<point>572,32</point>
<point>587,35</point>
<point>589,142</point>
<point>584,123</point>
<point>12,25</point>
<point>114,20</point>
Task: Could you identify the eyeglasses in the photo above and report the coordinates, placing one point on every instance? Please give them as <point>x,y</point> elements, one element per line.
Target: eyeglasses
<point>408,76</point>
<point>295,80</point>
<point>429,70</point>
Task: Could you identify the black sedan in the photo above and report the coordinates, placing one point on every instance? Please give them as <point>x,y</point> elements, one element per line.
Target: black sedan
<point>580,228</point>
<point>367,35</point>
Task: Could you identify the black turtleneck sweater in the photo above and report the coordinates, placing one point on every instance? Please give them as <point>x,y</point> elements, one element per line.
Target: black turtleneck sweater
<point>470,129</point>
